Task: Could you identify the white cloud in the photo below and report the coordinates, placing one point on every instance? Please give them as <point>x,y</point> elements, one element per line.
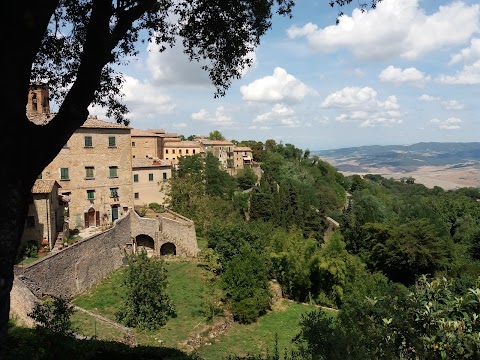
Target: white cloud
<point>218,119</point>
<point>144,101</point>
<point>172,67</point>
<point>179,125</point>
<point>395,27</point>
<point>453,105</point>
<point>279,115</point>
<point>255,127</point>
<point>409,75</point>
<point>363,106</point>
<point>468,55</point>
<point>426,97</point>
<point>452,123</point>
<point>280,87</point>
<point>469,75</point>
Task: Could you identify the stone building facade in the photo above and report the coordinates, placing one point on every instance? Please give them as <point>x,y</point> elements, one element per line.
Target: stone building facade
<point>172,150</point>
<point>147,144</point>
<point>221,149</point>
<point>94,169</point>
<point>242,157</point>
<point>149,177</point>
<point>45,216</point>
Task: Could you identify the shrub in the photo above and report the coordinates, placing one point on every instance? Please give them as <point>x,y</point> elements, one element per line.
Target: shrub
<point>146,304</point>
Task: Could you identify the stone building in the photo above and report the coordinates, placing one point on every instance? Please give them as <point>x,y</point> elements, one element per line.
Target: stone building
<point>242,157</point>
<point>45,216</point>
<point>148,177</point>
<point>172,150</point>
<point>221,149</point>
<point>146,143</point>
<point>94,169</point>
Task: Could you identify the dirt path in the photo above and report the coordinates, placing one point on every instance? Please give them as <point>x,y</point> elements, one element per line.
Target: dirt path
<point>129,336</point>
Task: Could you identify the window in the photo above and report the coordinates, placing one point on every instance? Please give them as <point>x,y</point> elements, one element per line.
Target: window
<point>90,194</point>
<point>166,159</point>
<point>114,192</point>
<point>164,176</point>
<point>113,171</point>
<point>136,195</point>
<point>173,151</point>
<point>89,172</point>
<point>64,174</point>
<point>194,151</point>
<point>150,177</point>
<point>166,151</point>
<point>180,151</point>
<point>135,178</point>
<point>133,143</point>
<point>88,141</point>
<point>31,221</point>
<point>186,151</point>
<point>111,141</point>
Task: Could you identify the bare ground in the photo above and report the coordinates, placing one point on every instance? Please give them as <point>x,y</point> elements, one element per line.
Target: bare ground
<point>446,177</point>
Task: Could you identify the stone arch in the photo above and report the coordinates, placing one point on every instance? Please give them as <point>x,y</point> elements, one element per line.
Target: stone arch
<point>145,242</point>
<point>168,248</point>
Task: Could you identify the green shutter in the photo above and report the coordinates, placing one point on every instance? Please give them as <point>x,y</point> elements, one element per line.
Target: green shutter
<point>113,172</point>
<point>111,141</point>
<point>90,194</point>
<point>88,141</point>
<point>150,177</point>
<point>64,173</point>
<point>135,178</point>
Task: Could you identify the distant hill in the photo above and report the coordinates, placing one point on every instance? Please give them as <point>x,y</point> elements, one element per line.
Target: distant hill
<point>404,157</point>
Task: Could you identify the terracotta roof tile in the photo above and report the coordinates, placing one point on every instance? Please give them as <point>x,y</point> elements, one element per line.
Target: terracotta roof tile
<point>241,148</point>
<point>216,142</point>
<point>44,186</point>
<point>148,162</point>
<point>182,144</point>
<point>144,133</point>
<point>93,122</point>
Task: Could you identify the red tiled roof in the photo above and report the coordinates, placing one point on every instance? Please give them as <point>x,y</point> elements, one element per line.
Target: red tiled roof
<point>144,133</point>
<point>44,186</point>
<point>148,162</point>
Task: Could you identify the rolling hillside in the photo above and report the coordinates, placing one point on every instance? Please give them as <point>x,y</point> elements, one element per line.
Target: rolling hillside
<point>448,165</point>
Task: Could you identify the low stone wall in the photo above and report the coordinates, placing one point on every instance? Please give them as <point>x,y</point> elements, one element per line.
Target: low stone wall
<point>77,267</point>
<point>81,265</point>
<point>180,231</point>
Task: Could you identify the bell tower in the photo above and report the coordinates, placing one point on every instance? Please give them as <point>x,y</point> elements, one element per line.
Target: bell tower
<point>38,101</point>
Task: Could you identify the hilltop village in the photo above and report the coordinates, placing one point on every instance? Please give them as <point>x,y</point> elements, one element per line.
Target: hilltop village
<point>104,170</point>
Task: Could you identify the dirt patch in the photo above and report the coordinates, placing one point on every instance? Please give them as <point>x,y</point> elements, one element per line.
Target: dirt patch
<point>207,334</point>
<point>447,177</point>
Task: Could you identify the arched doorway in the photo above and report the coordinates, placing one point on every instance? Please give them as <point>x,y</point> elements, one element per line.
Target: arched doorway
<point>145,242</point>
<point>168,249</point>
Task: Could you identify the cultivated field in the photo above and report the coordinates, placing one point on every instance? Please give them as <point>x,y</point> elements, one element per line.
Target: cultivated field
<point>447,177</point>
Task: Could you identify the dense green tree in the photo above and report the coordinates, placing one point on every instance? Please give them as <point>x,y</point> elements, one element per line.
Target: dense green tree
<point>54,315</point>
<point>431,321</point>
<point>246,284</point>
<point>146,303</point>
<point>246,178</point>
<point>216,135</point>
<point>217,181</point>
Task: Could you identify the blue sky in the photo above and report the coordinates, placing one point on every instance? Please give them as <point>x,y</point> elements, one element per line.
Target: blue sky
<point>406,72</point>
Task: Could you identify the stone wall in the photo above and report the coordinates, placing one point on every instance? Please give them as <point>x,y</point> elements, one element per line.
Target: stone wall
<point>180,231</point>
<point>81,265</point>
<point>77,267</point>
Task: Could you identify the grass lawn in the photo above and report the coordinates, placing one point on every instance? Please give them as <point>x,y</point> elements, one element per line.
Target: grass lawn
<point>187,289</point>
<point>259,337</point>
<point>190,294</point>
<point>89,326</point>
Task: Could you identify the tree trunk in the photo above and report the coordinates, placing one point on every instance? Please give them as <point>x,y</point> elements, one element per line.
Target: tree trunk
<point>13,210</point>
